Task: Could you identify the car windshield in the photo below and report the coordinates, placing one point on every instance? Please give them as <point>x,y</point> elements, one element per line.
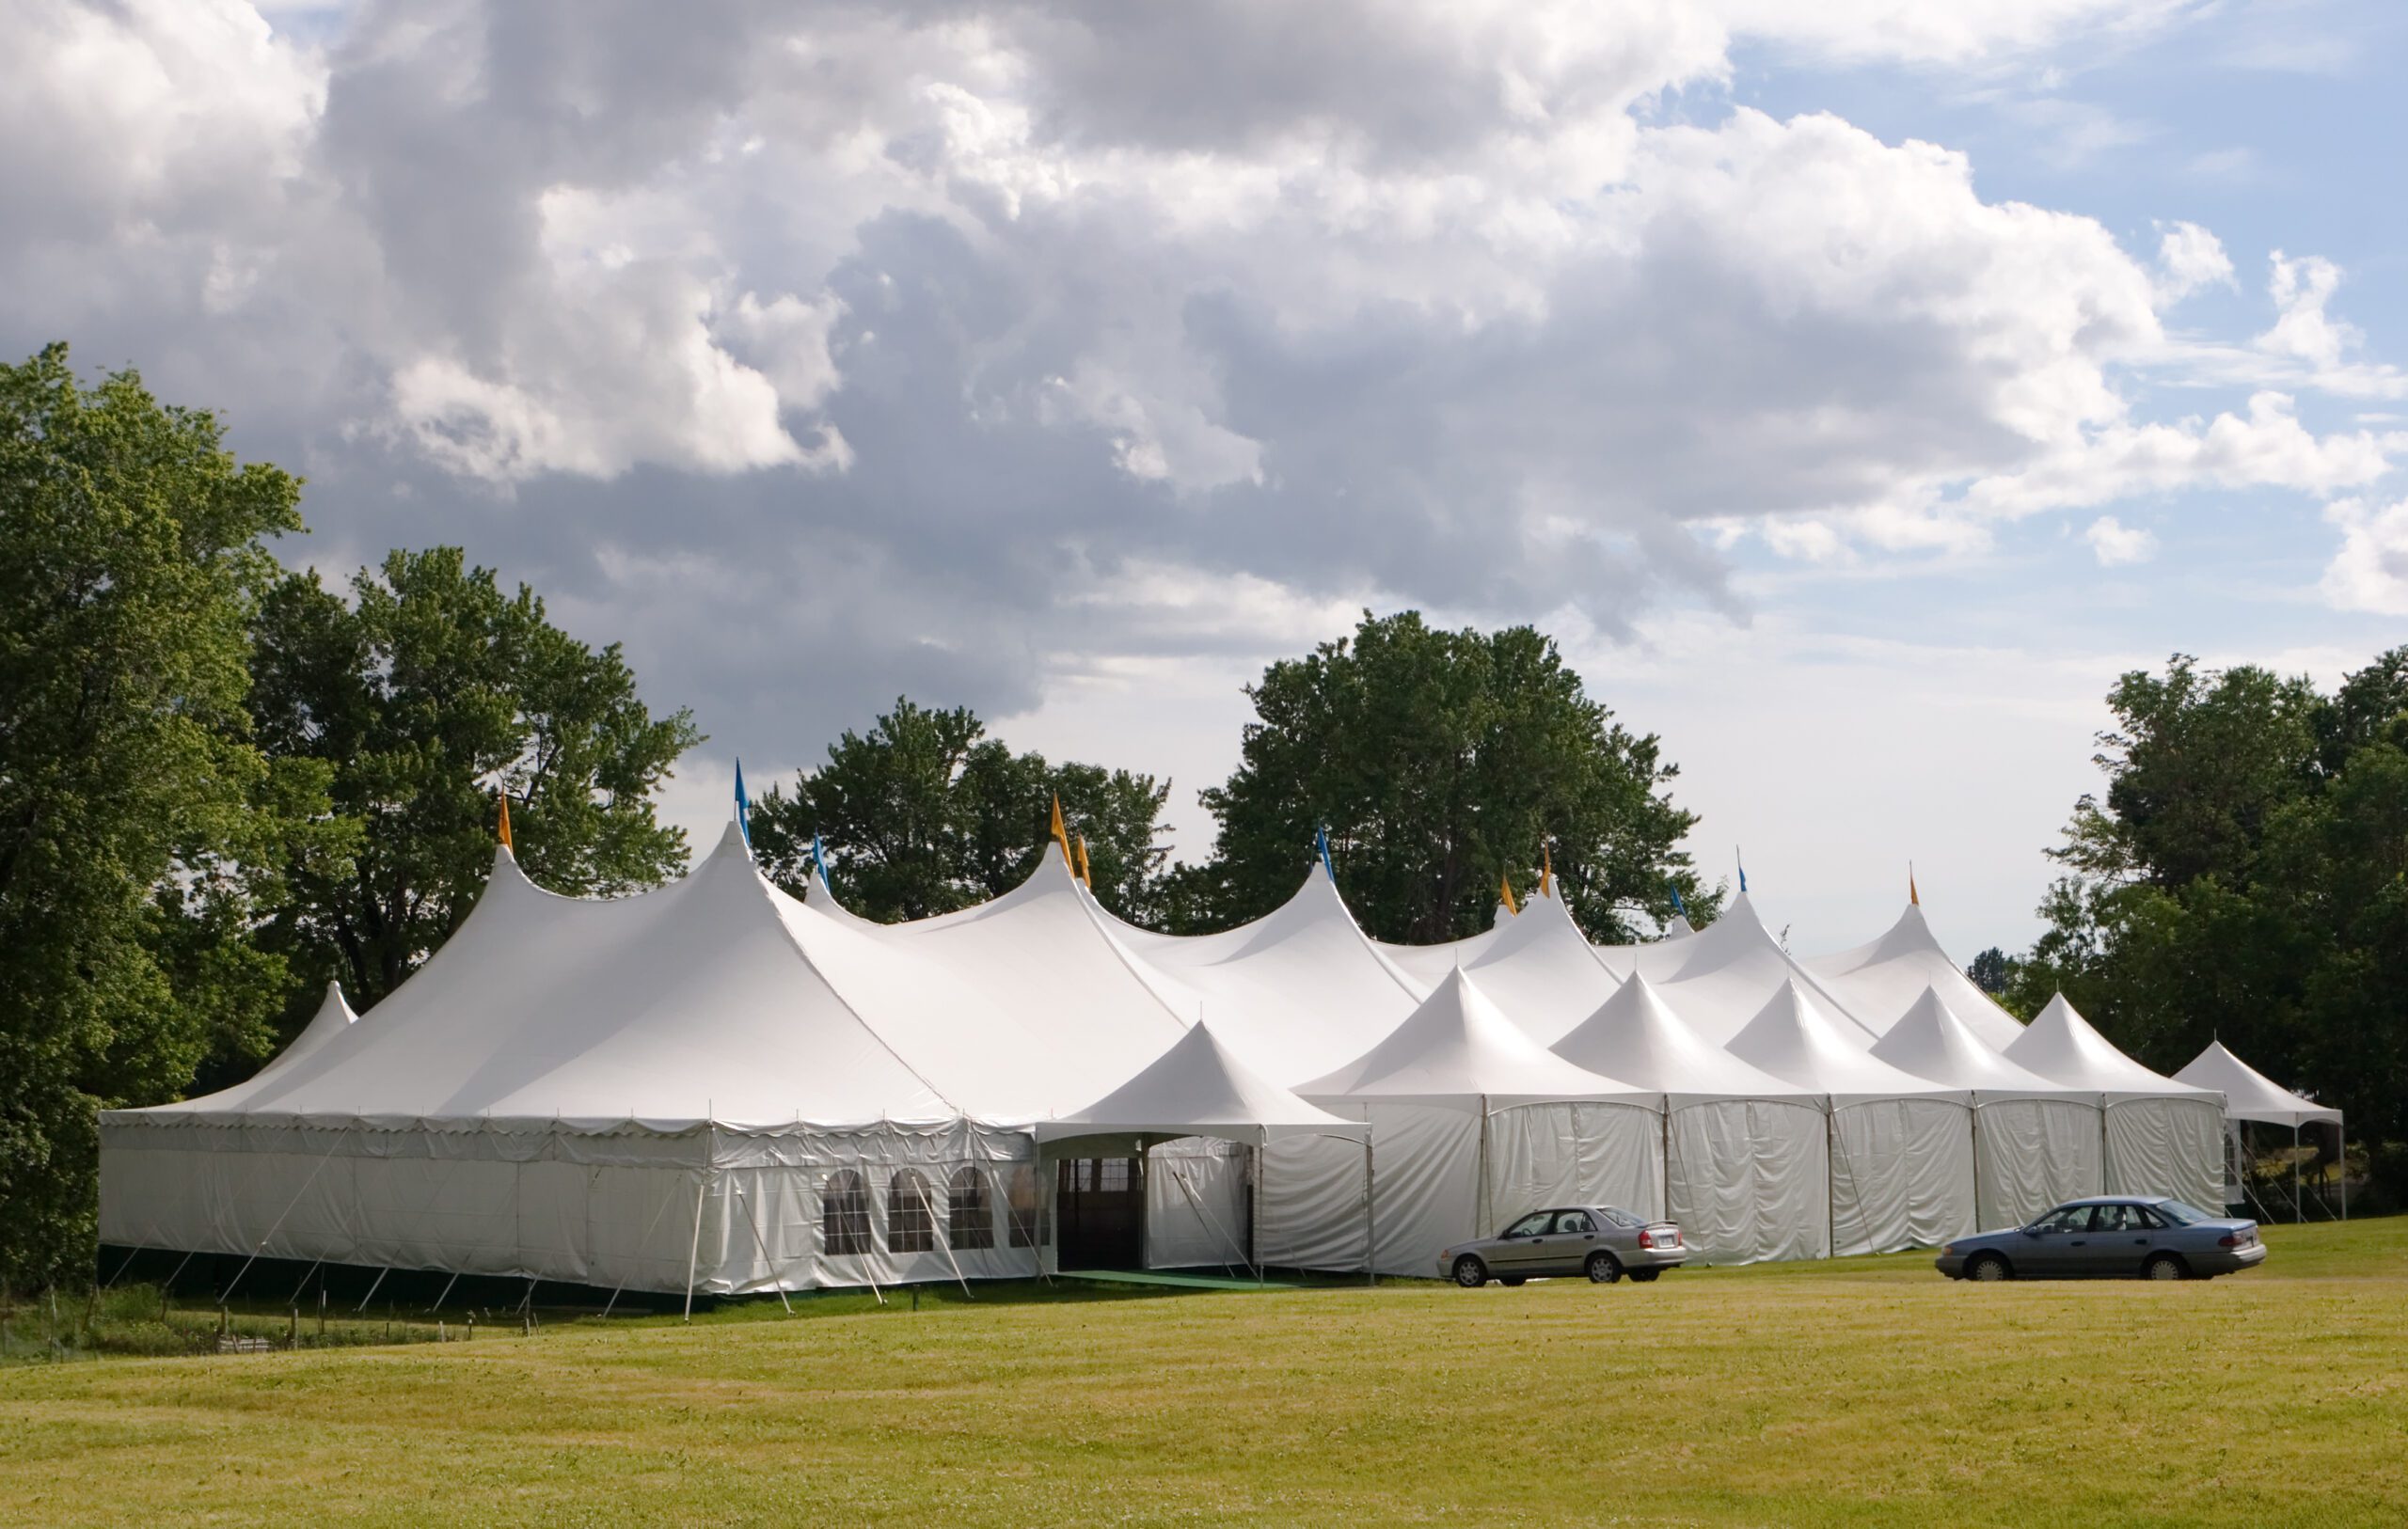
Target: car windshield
<point>2180,1214</point>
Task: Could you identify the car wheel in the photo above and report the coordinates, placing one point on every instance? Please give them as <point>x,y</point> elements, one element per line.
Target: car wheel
<point>1470,1273</point>
<point>1644,1275</point>
<point>1988,1266</point>
<point>1604,1267</point>
<point>2165,1266</point>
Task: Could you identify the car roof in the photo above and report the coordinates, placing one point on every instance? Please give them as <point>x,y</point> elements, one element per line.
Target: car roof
<point>2118,1200</point>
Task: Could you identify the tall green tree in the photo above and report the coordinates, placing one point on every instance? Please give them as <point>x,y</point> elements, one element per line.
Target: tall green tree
<point>139,824</point>
<point>925,813</point>
<point>2244,876</point>
<point>425,693</point>
<point>1442,763</point>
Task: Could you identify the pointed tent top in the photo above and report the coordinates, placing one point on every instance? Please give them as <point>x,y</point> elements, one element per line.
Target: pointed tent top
<point>2063,1047</point>
<point>1635,1037</point>
<point>501,804</point>
<point>1198,1088</point>
<point>1458,1044</point>
<point>1931,1040</point>
<point>2248,1094</point>
<point>1505,896</point>
<point>1792,1039</point>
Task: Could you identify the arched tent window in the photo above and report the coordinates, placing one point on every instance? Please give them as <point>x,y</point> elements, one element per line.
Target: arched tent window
<point>844,1214</point>
<point>911,1220</point>
<point>1026,1211</point>
<point>970,1215</point>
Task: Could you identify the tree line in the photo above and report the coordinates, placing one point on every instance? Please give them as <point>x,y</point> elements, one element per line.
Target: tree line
<point>225,782</point>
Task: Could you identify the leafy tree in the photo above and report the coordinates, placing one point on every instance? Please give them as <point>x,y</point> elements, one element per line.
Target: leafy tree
<point>427,692</point>
<point>1441,763</point>
<point>139,826</point>
<point>1992,970</point>
<point>925,813</point>
<point>2245,878</point>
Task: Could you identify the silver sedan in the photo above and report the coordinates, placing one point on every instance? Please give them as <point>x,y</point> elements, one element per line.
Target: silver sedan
<point>1601,1241</point>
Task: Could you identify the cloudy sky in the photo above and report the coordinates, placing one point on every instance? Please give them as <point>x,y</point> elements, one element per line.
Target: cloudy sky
<point>1854,387</point>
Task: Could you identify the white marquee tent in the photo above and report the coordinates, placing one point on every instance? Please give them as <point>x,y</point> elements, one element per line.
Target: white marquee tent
<point>2036,1144</point>
<point>2158,1137</point>
<point>1745,1159</point>
<point>1474,1124</point>
<point>1880,981</point>
<point>717,1086</point>
<point>2251,1096</point>
<point>1901,1149</point>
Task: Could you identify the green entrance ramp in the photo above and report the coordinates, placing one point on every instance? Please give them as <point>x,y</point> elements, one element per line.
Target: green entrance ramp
<point>1168,1279</point>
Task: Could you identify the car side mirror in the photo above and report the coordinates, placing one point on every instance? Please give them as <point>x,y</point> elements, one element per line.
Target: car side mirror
<point>2031,1231</point>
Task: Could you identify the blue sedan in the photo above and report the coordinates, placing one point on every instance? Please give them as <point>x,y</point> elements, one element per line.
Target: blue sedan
<point>2110,1237</point>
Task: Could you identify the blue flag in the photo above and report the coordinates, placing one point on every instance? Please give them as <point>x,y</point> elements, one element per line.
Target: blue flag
<point>818,862</point>
<point>1678,907</point>
<point>1321,845</point>
<point>1743,872</point>
<point>743,807</point>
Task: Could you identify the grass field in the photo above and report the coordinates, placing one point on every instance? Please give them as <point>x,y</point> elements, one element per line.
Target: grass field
<point>1866,1392</point>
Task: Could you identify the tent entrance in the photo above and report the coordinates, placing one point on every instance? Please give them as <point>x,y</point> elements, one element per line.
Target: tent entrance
<point>1101,1212</point>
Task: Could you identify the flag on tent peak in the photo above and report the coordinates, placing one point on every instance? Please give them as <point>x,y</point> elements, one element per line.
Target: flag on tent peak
<point>502,800</point>
<point>1060,836</point>
<point>1085,875</point>
<point>1743,870</point>
<point>1505,893</point>
<point>1320,847</point>
<point>818,862</point>
<point>1547,871</point>
<point>743,807</point>
<point>1914,898</point>
<point>1678,907</point>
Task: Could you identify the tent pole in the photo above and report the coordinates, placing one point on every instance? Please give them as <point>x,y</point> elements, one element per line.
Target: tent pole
<point>446,1293</point>
<point>763,1243</point>
<point>1483,1217</point>
<point>1371,1217</point>
<point>1261,1268</point>
<point>371,1290</point>
<point>2341,1150</point>
<point>694,1248</point>
<point>2299,1205</point>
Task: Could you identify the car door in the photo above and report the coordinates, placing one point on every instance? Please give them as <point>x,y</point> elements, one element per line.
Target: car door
<point>2057,1244</point>
<point>1576,1235</point>
<point>2124,1238</point>
<point>1521,1244</point>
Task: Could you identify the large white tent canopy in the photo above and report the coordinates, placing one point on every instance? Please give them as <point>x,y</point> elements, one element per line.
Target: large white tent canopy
<point>2037,1143</point>
<point>718,1086</point>
<point>2160,1136</point>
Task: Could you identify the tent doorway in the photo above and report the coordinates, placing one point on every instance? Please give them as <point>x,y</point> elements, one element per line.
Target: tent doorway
<point>1102,1207</point>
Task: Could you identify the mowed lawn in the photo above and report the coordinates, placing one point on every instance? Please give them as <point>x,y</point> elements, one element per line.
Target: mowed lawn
<point>1870,1391</point>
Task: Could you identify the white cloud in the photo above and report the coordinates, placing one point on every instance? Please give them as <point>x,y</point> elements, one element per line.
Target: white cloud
<point>2300,289</point>
<point>2188,259</point>
<point>2117,543</point>
<point>1963,32</point>
<point>2370,570</point>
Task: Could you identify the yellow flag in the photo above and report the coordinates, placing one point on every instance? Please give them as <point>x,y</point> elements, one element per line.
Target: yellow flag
<point>1912,897</point>
<point>1085,875</point>
<point>502,797</point>
<point>1547,872</point>
<point>1059,837</point>
<point>1505,886</point>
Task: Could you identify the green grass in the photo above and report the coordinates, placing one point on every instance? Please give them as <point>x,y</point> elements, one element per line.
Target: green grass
<point>1865,1391</point>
